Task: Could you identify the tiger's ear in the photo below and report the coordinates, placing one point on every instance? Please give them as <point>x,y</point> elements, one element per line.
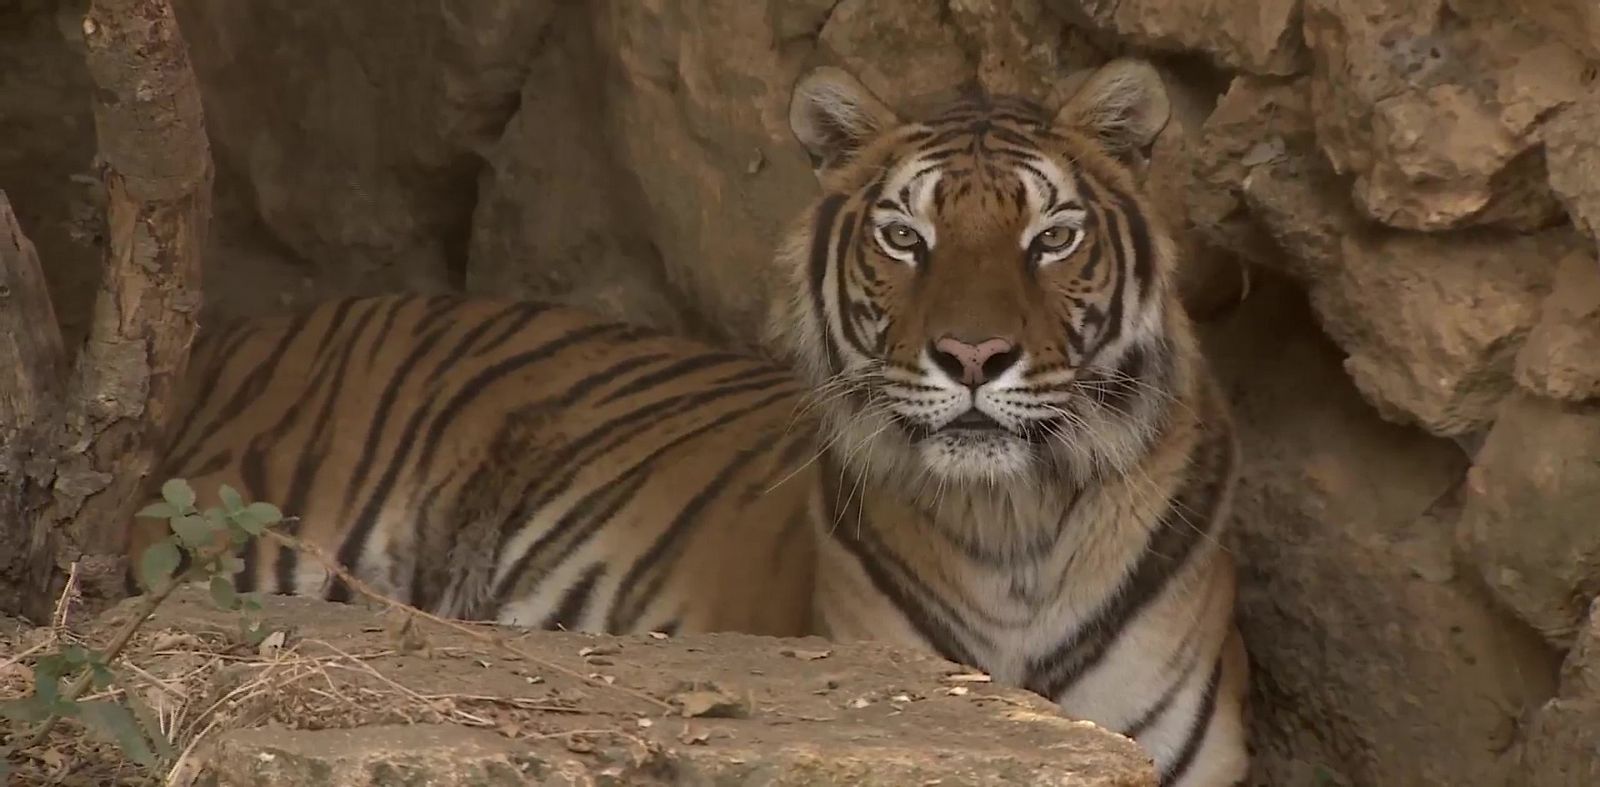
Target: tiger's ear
<point>1123,104</point>
<point>834,116</point>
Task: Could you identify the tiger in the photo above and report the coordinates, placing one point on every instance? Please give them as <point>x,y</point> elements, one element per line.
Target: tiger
<point>981,426</point>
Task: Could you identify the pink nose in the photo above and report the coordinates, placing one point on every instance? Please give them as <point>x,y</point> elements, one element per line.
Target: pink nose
<point>974,364</point>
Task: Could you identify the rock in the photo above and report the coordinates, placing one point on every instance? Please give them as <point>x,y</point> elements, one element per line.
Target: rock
<point>1259,131</point>
<point>1260,37</point>
<point>1433,323</point>
<point>698,95</point>
<point>1531,524</point>
<point>358,149</point>
<point>1574,156</point>
<point>556,218</point>
<point>868,714</point>
<point>1344,543</point>
<point>1560,359</point>
<point>455,756</point>
<point>1562,747</point>
<point>1434,114</point>
<point>1575,22</point>
<point>1022,48</point>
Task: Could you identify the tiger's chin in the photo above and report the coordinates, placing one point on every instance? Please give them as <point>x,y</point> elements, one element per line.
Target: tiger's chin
<point>988,457</point>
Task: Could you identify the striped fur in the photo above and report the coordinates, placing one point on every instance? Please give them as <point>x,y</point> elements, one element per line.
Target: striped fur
<point>511,461</point>
<point>1057,525</point>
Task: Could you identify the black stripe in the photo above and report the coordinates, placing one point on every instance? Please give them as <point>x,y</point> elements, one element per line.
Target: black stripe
<point>569,614</point>
<point>622,488</point>
<point>827,213</point>
<point>1166,552</point>
<point>435,307</point>
<point>248,390</point>
<point>381,340</point>
<point>847,230</point>
<point>663,554</point>
<point>379,426</point>
<point>470,337</point>
<point>672,371</point>
<point>309,460</point>
<point>1197,731</point>
<point>905,592</point>
<point>1164,702</point>
<point>350,547</point>
<point>584,520</point>
<point>527,313</point>
<point>582,450</point>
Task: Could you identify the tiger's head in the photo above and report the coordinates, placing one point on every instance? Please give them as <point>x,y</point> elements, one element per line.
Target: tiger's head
<point>981,294</point>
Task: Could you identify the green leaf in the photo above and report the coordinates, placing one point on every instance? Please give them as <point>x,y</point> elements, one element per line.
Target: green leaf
<point>101,676</point>
<point>222,593</point>
<point>250,601</point>
<point>157,511</point>
<point>116,724</point>
<point>179,494</point>
<point>230,498</point>
<point>193,531</point>
<point>28,710</point>
<point>255,631</point>
<point>257,515</point>
<point>158,563</point>
<point>75,654</point>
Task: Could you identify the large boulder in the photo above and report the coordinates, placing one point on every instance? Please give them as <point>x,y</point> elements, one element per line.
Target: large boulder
<point>1363,634</point>
<point>1532,517</point>
<point>1562,746</point>
<point>1435,106</point>
<point>353,126</point>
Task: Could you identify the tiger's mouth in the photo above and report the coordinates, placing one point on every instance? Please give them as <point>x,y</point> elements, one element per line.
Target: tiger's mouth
<point>973,420</point>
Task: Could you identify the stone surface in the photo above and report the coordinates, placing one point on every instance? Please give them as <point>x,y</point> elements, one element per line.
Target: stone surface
<point>1574,154</point>
<point>556,217</point>
<point>1435,112</point>
<point>1432,322</point>
<point>1561,358</point>
<point>1532,518</point>
<point>1574,22</point>
<point>1258,36</point>
<point>810,712</point>
<point>1343,534</point>
<point>1562,746</point>
<point>358,151</point>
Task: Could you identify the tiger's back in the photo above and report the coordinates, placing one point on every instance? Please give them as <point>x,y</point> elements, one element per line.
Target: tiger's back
<point>504,460</point>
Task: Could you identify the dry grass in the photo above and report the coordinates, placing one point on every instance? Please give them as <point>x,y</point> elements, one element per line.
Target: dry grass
<point>198,683</point>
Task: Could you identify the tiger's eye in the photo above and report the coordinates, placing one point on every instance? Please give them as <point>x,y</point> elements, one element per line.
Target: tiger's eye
<point>1057,238</point>
<point>902,237</point>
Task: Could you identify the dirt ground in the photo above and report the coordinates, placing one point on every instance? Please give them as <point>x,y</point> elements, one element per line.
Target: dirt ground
<point>480,700</point>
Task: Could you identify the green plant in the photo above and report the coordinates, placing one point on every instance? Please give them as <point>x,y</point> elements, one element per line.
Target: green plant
<point>212,540</point>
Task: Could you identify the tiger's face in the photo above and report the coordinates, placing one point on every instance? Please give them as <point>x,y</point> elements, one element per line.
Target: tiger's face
<point>982,293</point>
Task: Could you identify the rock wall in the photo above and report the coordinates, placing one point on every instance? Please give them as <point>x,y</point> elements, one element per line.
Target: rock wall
<point>1389,213</point>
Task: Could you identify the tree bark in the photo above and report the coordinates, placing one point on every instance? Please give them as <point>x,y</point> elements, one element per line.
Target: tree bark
<point>30,349</point>
<point>155,162</point>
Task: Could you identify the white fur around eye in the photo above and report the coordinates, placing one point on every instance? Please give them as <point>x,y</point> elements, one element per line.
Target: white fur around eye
<point>881,232</point>
<point>1049,256</point>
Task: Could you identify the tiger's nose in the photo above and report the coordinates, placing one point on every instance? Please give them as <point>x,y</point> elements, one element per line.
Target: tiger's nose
<point>974,364</point>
